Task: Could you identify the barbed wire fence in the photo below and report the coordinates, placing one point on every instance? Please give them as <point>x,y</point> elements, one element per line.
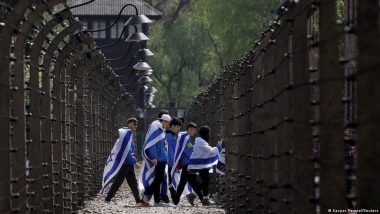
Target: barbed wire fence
<point>283,107</point>
<point>60,107</point>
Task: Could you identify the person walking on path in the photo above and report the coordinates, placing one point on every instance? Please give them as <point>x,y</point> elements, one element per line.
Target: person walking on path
<point>155,159</point>
<point>203,158</point>
<point>183,151</point>
<point>170,139</point>
<point>121,163</point>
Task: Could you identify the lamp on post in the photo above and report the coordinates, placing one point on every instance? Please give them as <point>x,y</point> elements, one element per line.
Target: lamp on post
<point>144,52</point>
<point>142,66</point>
<point>136,62</point>
<point>140,113</point>
<point>133,20</point>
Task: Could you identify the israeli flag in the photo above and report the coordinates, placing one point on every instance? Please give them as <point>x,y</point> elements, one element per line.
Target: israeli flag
<point>221,166</point>
<point>204,156</point>
<point>155,134</point>
<point>182,140</point>
<point>117,157</point>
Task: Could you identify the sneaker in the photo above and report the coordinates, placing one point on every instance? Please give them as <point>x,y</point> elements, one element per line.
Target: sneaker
<point>206,201</point>
<point>217,199</point>
<point>143,204</point>
<point>171,204</point>
<point>160,204</point>
<point>191,198</point>
<point>146,198</point>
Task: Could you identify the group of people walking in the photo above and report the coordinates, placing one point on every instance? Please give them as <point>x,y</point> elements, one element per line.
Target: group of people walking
<point>175,162</point>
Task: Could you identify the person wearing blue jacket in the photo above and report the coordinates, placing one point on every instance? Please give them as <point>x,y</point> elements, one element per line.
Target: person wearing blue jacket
<point>171,138</point>
<point>184,160</point>
<point>127,170</point>
<point>155,152</point>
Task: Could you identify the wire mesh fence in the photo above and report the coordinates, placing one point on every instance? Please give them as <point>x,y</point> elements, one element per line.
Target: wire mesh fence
<point>299,112</point>
<point>60,108</point>
<point>293,111</point>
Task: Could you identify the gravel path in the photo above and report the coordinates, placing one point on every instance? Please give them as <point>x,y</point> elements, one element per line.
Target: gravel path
<point>123,202</point>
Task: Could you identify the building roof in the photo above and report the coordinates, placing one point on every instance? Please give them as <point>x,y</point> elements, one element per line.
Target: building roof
<point>112,8</point>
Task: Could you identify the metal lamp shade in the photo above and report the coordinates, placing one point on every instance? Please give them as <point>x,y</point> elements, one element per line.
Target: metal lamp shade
<point>144,80</point>
<point>140,19</point>
<point>151,90</point>
<point>147,72</point>
<point>144,52</point>
<point>137,37</point>
<point>142,66</point>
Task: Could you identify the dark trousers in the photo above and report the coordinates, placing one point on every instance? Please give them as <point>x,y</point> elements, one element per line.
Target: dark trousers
<point>126,172</point>
<point>205,175</point>
<point>154,188</point>
<point>171,188</point>
<point>170,174</point>
<point>187,177</point>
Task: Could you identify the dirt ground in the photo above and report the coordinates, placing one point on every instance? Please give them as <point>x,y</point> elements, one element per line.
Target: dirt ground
<point>123,202</point>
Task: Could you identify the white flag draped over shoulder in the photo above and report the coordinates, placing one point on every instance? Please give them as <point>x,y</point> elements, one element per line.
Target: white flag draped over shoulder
<point>155,134</point>
<point>118,155</point>
<point>204,156</point>
<point>182,139</point>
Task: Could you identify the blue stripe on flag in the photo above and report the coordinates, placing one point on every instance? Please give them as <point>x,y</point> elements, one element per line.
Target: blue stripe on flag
<point>164,185</point>
<point>200,161</point>
<point>155,134</point>
<point>189,188</point>
<point>181,142</point>
<point>146,180</point>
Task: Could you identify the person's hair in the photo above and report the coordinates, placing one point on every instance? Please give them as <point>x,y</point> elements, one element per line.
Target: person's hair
<point>132,120</point>
<point>191,125</point>
<point>204,132</point>
<point>175,122</point>
<point>163,111</point>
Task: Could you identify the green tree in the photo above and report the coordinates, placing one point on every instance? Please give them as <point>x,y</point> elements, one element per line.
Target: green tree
<point>182,57</point>
<point>234,25</point>
<point>195,40</point>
